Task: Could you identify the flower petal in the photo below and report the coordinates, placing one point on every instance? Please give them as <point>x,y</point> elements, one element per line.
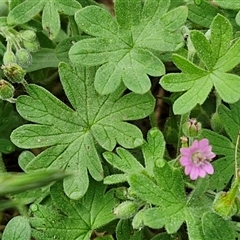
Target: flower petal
<point>188,169</point>
<point>203,143</point>
<point>202,172</point>
<point>208,168</point>
<point>194,173</point>
<point>185,161</point>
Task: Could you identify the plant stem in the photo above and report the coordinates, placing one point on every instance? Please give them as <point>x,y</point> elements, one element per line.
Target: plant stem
<point>2,165</point>
<point>153,120</point>
<point>183,119</point>
<point>73,25</point>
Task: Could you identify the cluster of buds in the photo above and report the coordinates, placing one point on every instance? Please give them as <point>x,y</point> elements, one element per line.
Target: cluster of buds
<point>19,46</point>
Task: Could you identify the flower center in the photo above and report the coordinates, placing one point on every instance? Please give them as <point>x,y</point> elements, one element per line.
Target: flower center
<point>198,158</point>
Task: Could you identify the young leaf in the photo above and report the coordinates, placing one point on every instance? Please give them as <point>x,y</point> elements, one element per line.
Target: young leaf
<point>218,56</point>
<point>18,228</point>
<point>125,47</point>
<point>72,134</point>
<point>153,150</point>
<point>26,10</point>
<point>71,219</point>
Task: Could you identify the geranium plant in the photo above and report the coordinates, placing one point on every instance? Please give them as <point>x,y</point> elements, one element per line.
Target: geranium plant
<point>119,119</point>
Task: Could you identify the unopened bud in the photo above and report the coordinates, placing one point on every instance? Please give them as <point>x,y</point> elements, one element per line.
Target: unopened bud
<point>14,73</point>
<point>24,58</point>
<point>28,35</point>
<point>216,123</point>
<point>126,209</point>
<point>121,193</point>
<point>192,128</point>
<point>184,141</point>
<point>31,46</point>
<point>6,90</point>
<point>9,57</point>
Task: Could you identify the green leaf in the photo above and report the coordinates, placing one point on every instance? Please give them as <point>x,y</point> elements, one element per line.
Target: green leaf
<point>125,231</point>
<point>202,14</point>
<point>18,228</point>
<point>217,228</point>
<point>26,10</point>
<point>71,219</point>
<point>127,46</point>
<point>73,135</point>
<point>153,150</point>
<point>221,36</point>
<point>224,167</point>
<point>230,4</point>
<point>168,193</point>
<point>203,48</point>
<point>45,58</point>
<point>217,56</point>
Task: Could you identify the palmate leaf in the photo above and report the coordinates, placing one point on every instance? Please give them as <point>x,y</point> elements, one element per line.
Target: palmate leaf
<point>72,219</point>
<point>26,10</point>
<point>73,136</point>
<point>125,46</point>
<point>218,56</point>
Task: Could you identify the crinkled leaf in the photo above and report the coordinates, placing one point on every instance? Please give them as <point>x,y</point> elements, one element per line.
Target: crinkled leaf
<point>26,10</point>
<point>71,134</point>
<point>125,45</point>
<point>71,219</point>
<point>218,56</point>
<point>153,150</point>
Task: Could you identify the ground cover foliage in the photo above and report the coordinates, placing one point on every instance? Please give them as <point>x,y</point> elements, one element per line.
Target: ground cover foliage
<point>119,119</point>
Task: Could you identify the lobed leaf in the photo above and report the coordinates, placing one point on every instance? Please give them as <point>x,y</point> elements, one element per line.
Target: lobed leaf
<point>126,48</point>
<point>70,219</point>
<point>73,135</point>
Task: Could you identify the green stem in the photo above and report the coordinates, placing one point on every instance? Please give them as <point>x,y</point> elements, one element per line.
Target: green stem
<point>73,26</point>
<point>2,165</point>
<point>218,100</point>
<point>153,120</point>
<point>183,119</point>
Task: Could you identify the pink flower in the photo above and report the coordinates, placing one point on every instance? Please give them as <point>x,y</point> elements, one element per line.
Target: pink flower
<point>196,159</point>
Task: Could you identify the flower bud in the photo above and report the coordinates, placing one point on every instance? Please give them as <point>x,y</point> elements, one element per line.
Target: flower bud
<point>9,57</point>
<point>28,35</point>
<point>6,90</point>
<point>121,193</point>
<point>14,73</point>
<point>31,46</point>
<point>192,128</point>
<point>24,58</point>
<point>184,141</point>
<point>216,123</point>
<point>126,209</point>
